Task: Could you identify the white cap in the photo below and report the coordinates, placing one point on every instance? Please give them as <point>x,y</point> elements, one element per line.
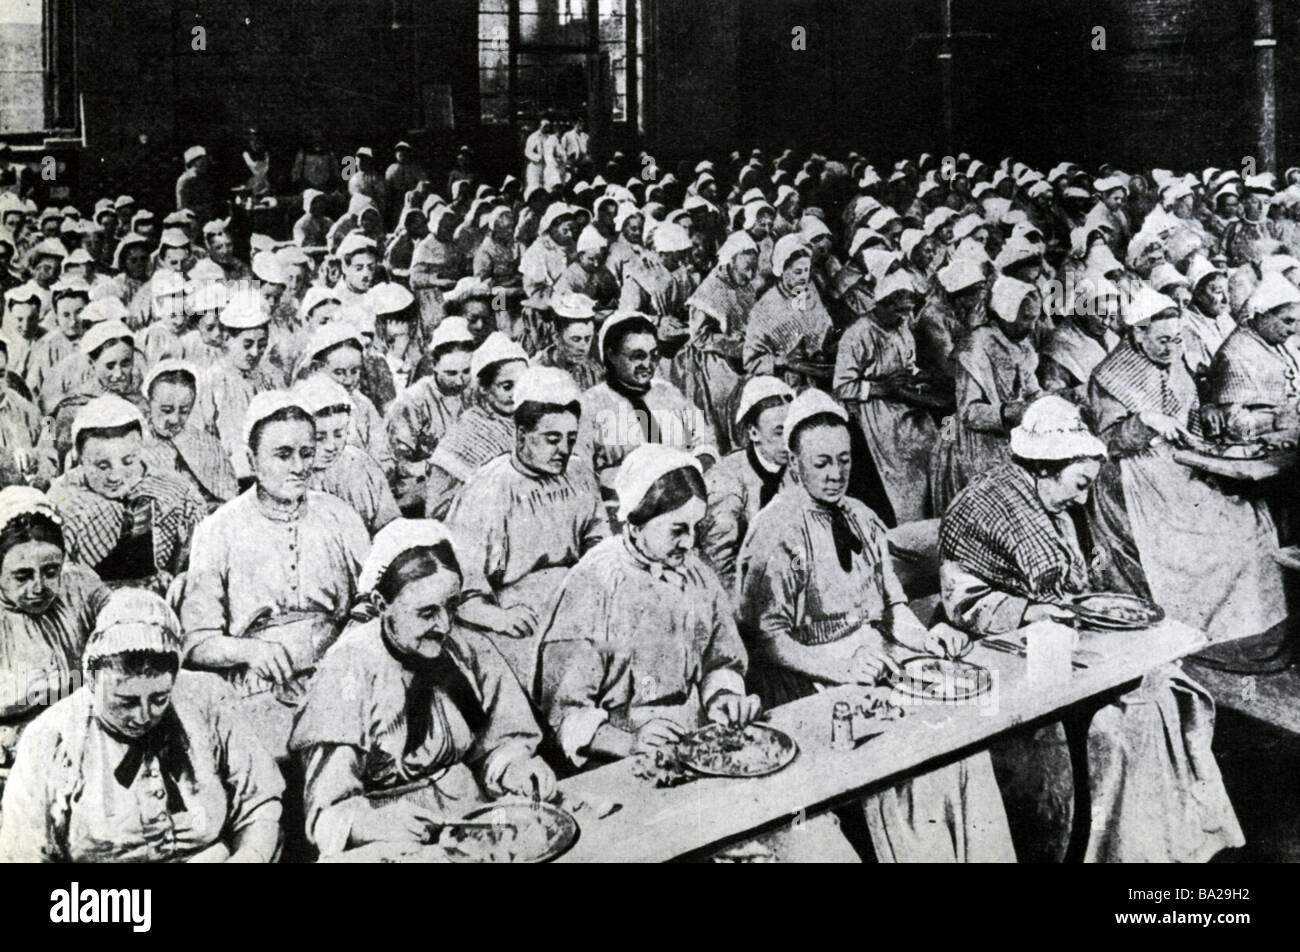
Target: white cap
<point>245,311</point>
<point>546,385</point>
<point>669,238</point>
<point>553,214</point>
<point>1006,297</point>
<point>396,539</point>
<point>1274,291</point>
<point>331,335</point>
<point>811,227</point>
<point>266,267</point>
<point>450,330</point>
<point>468,288</point>
<point>266,404</point>
<point>1101,260</point>
<point>496,349</point>
<point>167,366</point>
<point>388,298</point>
<point>758,389</point>
<point>909,239</point>
<point>105,412</point>
<point>314,297</point>
<point>173,238</point>
<point>194,152</point>
<point>896,282</point>
<point>1165,274</point>
<point>1016,251</point>
<point>960,273</point>
<point>880,218</point>
<point>642,468</point>
<point>590,240</point>
<point>166,283</point>
<point>737,243</point>
<point>573,306</point>
<point>355,243</point>
<point>616,320</point>
<point>1053,429</point>
<point>1277,264</point>
<point>810,403</point>
<point>786,248</point>
<point>320,392</point>
<point>938,218</point>
<point>1103,185</point>
<point>105,309</point>
<point>1145,304</point>
<point>1199,269</point>
<point>101,333</point>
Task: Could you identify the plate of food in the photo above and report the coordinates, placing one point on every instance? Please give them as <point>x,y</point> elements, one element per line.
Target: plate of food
<point>754,750</point>
<point>1249,449</point>
<point>510,832</point>
<point>927,678</point>
<point>1115,611</point>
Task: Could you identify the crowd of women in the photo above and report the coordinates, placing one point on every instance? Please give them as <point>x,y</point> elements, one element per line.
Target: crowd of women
<point>554,474</point>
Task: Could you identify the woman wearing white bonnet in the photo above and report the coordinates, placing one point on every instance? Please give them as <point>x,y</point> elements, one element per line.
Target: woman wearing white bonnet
<point>1168,533</point>
<point>708,369</point>
<point>789,321</point>
<point>407,694</point>
<point>587,275</point>
<point>172,446</point>
<point>273,572</point>
<point>114,774</point>
<point>658,284</point>
<point>1011,557</point>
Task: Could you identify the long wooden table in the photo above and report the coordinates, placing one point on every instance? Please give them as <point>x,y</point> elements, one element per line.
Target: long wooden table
<point>654,825</point>
<point>1268,466</point>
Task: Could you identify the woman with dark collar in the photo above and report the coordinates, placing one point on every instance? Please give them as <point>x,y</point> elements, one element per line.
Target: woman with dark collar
<point>409,696</point>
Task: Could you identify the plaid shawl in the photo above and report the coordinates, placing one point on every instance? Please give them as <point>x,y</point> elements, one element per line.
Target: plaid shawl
<point>1140,385</point>
<point>1249,371</point>
<point>998,529</point>
<point>477,437</point>
<point>92,525</point>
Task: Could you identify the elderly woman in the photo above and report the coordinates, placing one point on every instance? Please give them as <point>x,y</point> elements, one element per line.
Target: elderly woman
<point>877,376</point>
<point>547,257</point>
<point>953,307</point>
<point>629,244</point>
<point>633,406</point>
<point>658,284</point>
<point>47,609</point>
<point>273,572</point>
<point>1207,321</point>
<point>819,604</point>
<point>485,429</point>
<point>338,469</point>
<point>170,446</point>
<point>110,349</point>
<point>526,518</point>
<point>997,377</point>
<point>20,429</point>
<point>1168,532</point>
<point>69,299</point>
<point>141,764</point>
<point>1082,338</point>
<point>789,324</point>
<point>745,481</point>
<point>132,525</point>
<point>337,351</point>
<point>1010,557</point>
<point>410,696</point>
<point>708,368</point>
<point>573,320</point>
<point>587,274</point>
<point>227,387</point>
<point>1254,381</point>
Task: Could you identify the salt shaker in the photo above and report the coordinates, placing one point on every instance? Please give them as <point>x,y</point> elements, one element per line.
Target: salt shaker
<point>842,726</point>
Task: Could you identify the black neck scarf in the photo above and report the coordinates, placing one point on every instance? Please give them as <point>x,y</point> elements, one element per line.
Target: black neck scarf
<point>429,674</point>
<point>165,741</point>
<point>771,480</point>
<point>649,428</point>
<point>846,540</point>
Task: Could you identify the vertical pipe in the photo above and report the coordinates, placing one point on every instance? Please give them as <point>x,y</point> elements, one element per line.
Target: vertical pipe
<point>945,75</point>
<point>632,101</point>
<point>512,67</point>
<point>1266,91</point>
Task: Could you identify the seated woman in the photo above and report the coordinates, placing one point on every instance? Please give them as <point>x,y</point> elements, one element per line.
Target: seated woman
<point>141,764</point>
<point>338,469</point>
<point>170,446</point>
<point>997,377</point>
<point>745,481</point>
<point>130,524</point>
<point>110,348</point>
<point>408,694</point>
<point>337,350</point>
<point>789,322</point>
<point>820,605</point>
<point>47,609</point>
<point>1207,321</point>
<point>20,429</point>
<point>573,324</point>
<point>1168,532</point>
<point>1254,380</point>
<point>273,572</point>
<point>1010,556</point>
<point>1082,338</point>
<point>486,427</point>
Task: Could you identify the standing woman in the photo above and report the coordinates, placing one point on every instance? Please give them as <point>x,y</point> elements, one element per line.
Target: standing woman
<point>272,573</point>
<point>127,522</point>
<point>820,605</point>
<point>409,695</point>
<point>486,428</point>
<point>708,368</point>
<point>47,609</point>
<point>142,764</point>
<point>170,446</point>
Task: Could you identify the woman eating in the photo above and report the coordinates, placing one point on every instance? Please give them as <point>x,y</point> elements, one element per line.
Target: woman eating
<point>142,763</point>
<point>819,605</point>
<point>408,696</point>
<point>789,322</point>
<point>1254,380</point>
<point>130,524</point>
<point>273,572</point>
<point>485,429</point>
<point>1011,557</point>
<point>170,446</point>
